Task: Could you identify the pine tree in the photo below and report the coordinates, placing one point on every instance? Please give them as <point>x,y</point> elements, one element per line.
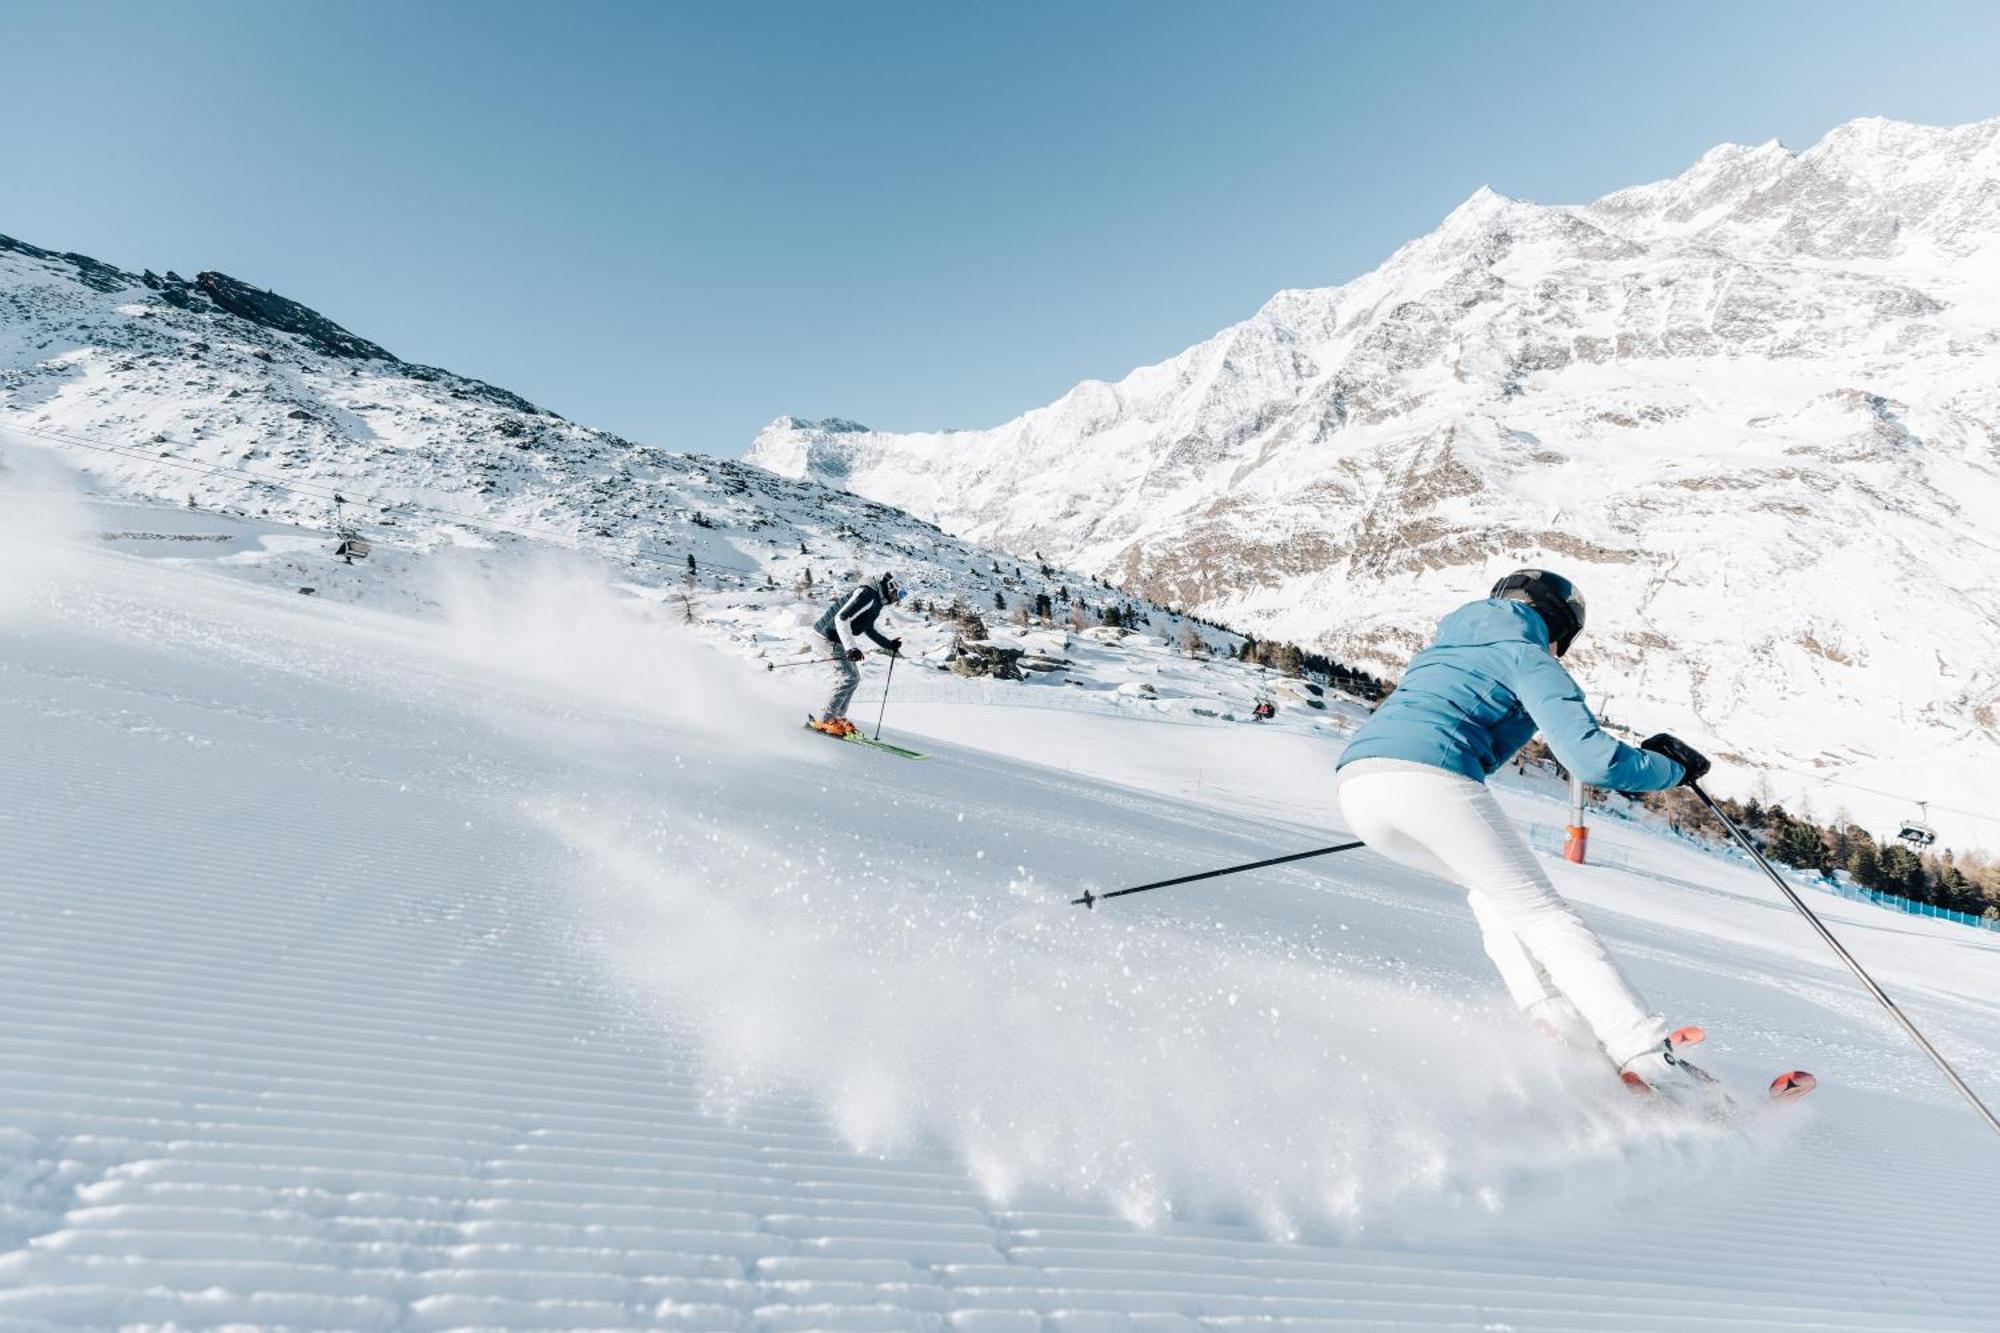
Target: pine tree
<point>1955,889</point>
<point>1799,844</point>
<point>1902,871</point>
<point>1865,863</point>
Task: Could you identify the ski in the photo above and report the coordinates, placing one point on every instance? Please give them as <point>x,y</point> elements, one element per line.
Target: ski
<point>1792,1085</point>
<point>1786,1087</point>
<point>856,738</point>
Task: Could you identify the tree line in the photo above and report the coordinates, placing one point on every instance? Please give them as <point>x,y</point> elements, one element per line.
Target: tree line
<point>1966,882</point>
<point>1962,882</point>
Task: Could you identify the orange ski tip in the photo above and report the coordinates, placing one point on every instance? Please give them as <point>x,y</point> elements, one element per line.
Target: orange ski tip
<point>1687,1036</point>
<point>1796,1083</point>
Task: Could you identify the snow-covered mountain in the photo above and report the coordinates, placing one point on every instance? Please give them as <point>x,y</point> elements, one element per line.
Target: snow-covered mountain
<point>1754,410</point>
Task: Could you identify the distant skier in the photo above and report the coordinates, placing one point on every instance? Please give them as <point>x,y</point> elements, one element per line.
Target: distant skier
<point>1413,786</point>
<point>842,625</point>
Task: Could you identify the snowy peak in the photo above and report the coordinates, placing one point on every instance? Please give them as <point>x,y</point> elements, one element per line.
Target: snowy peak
<point>1714,187</point>
<point>1484,209</point>
<point>797,447</point>
<point>1871,189</point>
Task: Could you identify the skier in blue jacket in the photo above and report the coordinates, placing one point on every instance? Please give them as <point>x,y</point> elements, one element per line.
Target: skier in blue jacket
<point>1413,787</point>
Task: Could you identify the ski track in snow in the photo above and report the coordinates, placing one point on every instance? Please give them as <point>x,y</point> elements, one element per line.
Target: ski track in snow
<point>534,970</point>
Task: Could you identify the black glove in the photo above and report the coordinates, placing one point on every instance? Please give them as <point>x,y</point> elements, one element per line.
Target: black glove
<point>855,654</point>
<point>895,647</point>
<point>1690,759</point>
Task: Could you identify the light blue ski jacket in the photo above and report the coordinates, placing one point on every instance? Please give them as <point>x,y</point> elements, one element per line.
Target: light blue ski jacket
<point>1482,689</point>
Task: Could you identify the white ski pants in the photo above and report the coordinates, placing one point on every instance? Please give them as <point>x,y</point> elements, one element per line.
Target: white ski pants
<point>1450,826</point>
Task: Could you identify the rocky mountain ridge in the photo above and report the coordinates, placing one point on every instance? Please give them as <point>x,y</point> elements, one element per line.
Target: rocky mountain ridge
<point>219,396</point>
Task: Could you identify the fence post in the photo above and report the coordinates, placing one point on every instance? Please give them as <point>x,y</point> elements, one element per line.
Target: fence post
<point>1577,837</point>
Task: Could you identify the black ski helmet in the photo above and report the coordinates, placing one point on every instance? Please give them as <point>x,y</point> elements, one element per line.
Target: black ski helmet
<point>1554,598</point>
<point>891,590</point>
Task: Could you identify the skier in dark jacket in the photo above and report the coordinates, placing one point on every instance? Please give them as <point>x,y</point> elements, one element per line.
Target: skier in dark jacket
<point>843,625</point>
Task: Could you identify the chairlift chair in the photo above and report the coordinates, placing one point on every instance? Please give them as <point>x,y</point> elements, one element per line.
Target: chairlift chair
<point>1917,832</point>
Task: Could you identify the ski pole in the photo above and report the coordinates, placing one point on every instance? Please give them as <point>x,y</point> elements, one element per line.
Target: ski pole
<point>1090,900</point>
<point>886,682</point>
<point>787,666</point>
<point>1848,958</point>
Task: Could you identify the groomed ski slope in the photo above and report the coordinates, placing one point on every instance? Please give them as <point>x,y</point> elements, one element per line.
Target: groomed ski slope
<point>536,969</point>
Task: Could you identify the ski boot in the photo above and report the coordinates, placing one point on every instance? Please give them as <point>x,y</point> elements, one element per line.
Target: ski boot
<point>1665,1071</point>
<point>833,726</point>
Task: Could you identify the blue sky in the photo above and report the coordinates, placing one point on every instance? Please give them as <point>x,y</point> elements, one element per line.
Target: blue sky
<point>680,220</point>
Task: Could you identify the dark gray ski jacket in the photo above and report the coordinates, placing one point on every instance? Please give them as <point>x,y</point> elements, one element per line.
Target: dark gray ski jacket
<point>852,616</point>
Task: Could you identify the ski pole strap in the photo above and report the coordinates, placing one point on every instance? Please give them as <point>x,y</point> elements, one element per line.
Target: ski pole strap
<point>1090,900</point>
<point>1853,966</point>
